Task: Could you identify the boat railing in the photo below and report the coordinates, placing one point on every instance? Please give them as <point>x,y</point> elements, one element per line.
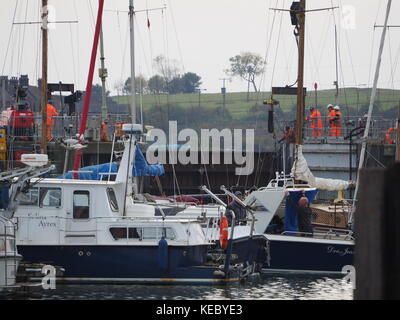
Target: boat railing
<point>8,238</point>
<point>321,233</point>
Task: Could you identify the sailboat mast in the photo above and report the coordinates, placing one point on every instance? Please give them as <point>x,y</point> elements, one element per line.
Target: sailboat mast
<point>43,102</point>
<point>103,77</point>
<point>132,43</point>
<point>371,103</point>
<point>301,17</point>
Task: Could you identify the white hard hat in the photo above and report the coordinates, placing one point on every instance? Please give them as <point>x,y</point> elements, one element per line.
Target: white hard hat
<point>329,106</point>
<point>336,108</point>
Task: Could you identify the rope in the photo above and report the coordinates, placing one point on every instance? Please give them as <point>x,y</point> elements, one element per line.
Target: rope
<point>9,38</point>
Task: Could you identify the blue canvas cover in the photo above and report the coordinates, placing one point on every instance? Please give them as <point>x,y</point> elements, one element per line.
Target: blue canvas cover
<point>291,222</point>
<point>141,168</point>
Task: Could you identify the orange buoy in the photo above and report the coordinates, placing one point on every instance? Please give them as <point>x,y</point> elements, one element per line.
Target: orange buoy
<point>388,136</point>
<point>223,233</point>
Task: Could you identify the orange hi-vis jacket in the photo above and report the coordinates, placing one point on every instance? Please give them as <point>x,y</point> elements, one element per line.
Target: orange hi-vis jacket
<point>338,123</point>
<point>51,112</point>
<point>331,122</point>
<point>316,123</point>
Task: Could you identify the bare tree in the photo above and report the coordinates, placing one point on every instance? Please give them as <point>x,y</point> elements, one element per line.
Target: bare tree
<point>247,66</point>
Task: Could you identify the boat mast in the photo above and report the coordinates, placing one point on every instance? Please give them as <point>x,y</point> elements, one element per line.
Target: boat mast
<point>371,106</point>
<point>133,90</point>
<point>132,43</point>
<point>43,102</point>
<point>103,77</point>
<point>86,103</point>
<point>301,17</point>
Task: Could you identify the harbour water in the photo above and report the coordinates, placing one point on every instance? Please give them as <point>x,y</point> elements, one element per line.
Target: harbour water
<point>268,288</point>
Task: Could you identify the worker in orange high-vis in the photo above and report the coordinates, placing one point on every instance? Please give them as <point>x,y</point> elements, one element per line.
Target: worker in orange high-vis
<point>51,112</point>
<point>103,131</point>
<point>316,122</point>
<point>331,121</point>
<point>338,121</point>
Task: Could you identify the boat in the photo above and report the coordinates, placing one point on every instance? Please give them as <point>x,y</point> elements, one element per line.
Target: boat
<point>93,230</point>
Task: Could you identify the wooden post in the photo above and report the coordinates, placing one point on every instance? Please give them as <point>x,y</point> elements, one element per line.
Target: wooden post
<point>377,231</point>
<point>43,102</point>
<point>301,17</point>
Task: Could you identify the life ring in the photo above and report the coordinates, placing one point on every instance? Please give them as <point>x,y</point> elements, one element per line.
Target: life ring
<point>223,233</point>
<point>388,137</point>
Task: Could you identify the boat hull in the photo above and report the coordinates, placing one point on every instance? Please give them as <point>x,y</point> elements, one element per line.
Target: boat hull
<point>308,255</point>
<point>128,264</point>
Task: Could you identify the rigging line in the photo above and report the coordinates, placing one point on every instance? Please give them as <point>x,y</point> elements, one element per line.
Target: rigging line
<point>38,41</point>
<point>23,40</point>
<point>277,49</point>
<point>73,53</point>
<point>125,51</point>
<point>13,46</point>
<point>268,45</point>
<point>324,39</point>
<point>391,76</point>
<point>141,42</point>
<point>313,60</point>
<point>349,50</point>
<point>91,13</point>
<point>9,39</point>
<point>54,58</point>
<point>176,35</point>
<point>77,43</point>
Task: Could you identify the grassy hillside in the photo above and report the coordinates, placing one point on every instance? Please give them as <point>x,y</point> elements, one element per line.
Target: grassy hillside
<point>238,106</point>
<point>243,113</point>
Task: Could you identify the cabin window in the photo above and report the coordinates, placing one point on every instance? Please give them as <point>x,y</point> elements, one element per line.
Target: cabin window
<point>50,197</point>
<point>81,204</point>
<point>146,233</point>
<point>2,245</point>
<point>135,233</point>
<point>29,198</point>
<point>112,199</point>
<point>118,233</point>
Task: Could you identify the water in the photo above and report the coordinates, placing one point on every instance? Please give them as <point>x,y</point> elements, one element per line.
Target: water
<point>269,287</point>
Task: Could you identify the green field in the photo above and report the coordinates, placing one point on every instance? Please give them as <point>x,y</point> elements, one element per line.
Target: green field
<point>237,104</point>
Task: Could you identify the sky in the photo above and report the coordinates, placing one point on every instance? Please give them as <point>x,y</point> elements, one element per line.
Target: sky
<point>201,36</point>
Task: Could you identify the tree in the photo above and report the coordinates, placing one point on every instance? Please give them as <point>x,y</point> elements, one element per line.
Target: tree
<point>140,85</point>
<point>190,82</point>
<point>166,67</point>
<point>247,66</point>
<point>156,84</point>
<point>175,85</point>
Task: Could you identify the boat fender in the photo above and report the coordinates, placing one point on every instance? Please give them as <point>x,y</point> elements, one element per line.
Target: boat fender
<point>223,233</point>
<point>388,136</point>
<point>163,254</point>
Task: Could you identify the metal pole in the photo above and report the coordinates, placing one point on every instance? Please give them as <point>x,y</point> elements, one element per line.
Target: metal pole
<point>371,105</point>
<point>103,77</point>
<point>337,71</point>
<point>86,103</point>
<point>43,102</point>
<point>132,43</point>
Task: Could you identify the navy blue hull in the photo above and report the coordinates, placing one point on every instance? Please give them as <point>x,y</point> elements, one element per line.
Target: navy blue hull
<point>251,251</point>
<point>138,264</point>
<point>308,256</point>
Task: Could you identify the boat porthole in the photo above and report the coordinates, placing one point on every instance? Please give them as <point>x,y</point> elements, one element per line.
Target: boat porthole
<point>80,253</point>
<point>88,253</point>
<point>184,253</point>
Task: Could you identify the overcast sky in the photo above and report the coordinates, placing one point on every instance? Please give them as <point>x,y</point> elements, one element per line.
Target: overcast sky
<point>201,36</point>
